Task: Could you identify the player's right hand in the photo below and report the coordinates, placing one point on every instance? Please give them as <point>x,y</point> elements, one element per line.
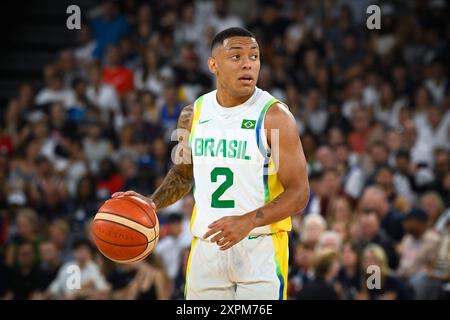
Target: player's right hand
<point>135,194</point>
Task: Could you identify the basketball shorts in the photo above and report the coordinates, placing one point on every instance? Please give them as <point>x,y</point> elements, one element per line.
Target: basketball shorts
<point>255,268</point>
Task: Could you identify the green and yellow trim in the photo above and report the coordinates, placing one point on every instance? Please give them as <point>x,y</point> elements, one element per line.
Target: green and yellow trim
<point>194,214</point>
<point>197,110</point>
<point>188,268</point>
<point>281,259</point>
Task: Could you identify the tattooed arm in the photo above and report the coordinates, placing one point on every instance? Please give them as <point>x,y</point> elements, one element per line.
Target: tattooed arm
<point>289,160</point>
<point>178,181</point>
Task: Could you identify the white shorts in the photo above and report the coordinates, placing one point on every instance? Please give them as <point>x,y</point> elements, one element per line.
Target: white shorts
<point>255,268</point>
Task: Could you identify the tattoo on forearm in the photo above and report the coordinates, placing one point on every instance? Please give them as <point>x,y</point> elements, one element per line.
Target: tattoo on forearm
<point>259,214</point>
<point>176,184</point>
<point>178,181</point>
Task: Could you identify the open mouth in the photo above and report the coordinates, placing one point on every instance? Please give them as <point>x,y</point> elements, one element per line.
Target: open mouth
<point>246,80</point>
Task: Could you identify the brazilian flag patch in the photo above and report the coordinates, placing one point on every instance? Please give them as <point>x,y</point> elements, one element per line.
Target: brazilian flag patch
<point>248,124</point>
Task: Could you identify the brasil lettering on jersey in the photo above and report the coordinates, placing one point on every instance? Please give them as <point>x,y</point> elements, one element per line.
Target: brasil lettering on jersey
<point>209,147</point>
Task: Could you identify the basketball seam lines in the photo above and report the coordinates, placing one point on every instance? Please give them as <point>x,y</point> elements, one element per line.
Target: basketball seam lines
<point>118,215</point>
<point>124,245</point>
<point>139,206</point>
<point>120,224</point>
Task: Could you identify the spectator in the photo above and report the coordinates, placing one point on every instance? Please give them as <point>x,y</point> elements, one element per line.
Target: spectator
<point>68,67</point>
<point>103,96</point>
<point>220,18</point>
<point>25,278</point>
<point>419,246</point>
<point>151,76</point>
<point>138,281</point>
<point>349,277</point>
<point>189,28</point>
<point>180,280</point>
<point>93,284</point>
<point>59,235</point>
<point>95,146</point>
<point>361,130</point>
<point>433,205</point>
<point>390,287</point>
<point>48,191</point>
<point>170,109</point>
<point>434,127</point>
<point>313,226</point>
<point>109,179</point>
<point>26,226</point>
<point>330,189</point>
<point>172,245</point>
<point>326,268</point>
<point>302,270</point>
<point>330,239</point>
<point>190,79</point>
<point>314,115</point>
<point>84,52</point>
<point>353,176</point>
<point>115,74</point>
<point>55,91</point>
<point>50,265</point>
<point>388,108</point>
<point>374,199</point>
<point>144,130</point>
<point>370,232</point>
<point>108,28</point>
<point>85,203</point>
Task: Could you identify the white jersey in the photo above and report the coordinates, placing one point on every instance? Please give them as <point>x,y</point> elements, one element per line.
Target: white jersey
<point>233,169</point>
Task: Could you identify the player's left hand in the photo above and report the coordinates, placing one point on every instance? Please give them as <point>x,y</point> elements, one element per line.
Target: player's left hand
<point>229,230</point>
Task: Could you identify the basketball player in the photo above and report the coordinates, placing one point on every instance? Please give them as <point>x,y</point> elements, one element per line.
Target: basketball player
<point>248,170</point>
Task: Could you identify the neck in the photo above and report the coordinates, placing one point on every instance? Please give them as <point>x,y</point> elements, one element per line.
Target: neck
<point>227,100</point>
<point>350,269</point>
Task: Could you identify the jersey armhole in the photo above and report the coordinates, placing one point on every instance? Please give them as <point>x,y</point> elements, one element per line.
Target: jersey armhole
<point>261,136</point>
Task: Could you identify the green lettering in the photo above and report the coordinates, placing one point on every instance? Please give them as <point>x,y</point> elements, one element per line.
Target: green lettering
<point>239,153</point>
<point>246,156</point>
<point>221,148</point>
<point>198,147</point>
<point>209,145</point>
<point>232,144</point>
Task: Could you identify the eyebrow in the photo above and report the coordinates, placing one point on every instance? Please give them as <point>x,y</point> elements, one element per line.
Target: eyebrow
<point>241,47</point>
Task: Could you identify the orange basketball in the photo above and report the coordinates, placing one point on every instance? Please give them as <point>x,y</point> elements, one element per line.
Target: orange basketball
<point>126,229</point>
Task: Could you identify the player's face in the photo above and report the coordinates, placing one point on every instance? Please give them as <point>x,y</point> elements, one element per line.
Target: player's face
<point>236,65</point>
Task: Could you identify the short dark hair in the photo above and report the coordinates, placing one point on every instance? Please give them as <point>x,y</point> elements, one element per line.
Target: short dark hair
<point>403,153</point>
<point>174,218</point>
<point>228,33</point>
<point>83,242</point>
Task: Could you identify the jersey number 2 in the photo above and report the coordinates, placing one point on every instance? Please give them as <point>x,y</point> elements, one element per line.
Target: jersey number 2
<point>229,178</point>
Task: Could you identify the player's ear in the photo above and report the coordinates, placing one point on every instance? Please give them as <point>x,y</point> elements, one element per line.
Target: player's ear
<point>212,65</point>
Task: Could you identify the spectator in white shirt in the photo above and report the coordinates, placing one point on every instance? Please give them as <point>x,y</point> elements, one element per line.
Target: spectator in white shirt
<point>55,92</point>
<point>434,128</point>
<point>436,81</point>
<point>172,245</point>
<point>314,115</point>
<point>221,20</point>
<point>80,279</point>
<point>103,96</point>
<point>84,52</point>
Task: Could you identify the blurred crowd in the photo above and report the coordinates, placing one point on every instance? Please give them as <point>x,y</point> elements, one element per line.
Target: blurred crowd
<point>373,113</point>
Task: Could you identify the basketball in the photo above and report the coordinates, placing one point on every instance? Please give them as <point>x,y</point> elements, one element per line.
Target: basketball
<point>126,229</point>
